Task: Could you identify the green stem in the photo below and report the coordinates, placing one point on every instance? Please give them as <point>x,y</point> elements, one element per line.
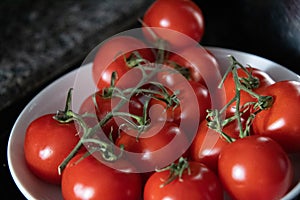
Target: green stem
<point>263,102</point>
<point>176,171</point>
<point>237,98</point>
<point>89,132</point>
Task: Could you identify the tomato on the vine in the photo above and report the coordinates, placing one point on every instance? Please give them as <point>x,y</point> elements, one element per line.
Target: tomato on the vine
<point>258,80</point>
<point>106,104</point>
<point>47,143</point>
<point>208,143</point>
<point>194,99</point>
<point>148,149</point>
<point>202,66</point>
<point>113,56</point>
<point>90,178</point>
<point>182,16</point>
<point>196,182</point>
<point>281,120</point>
<point>255,167</point>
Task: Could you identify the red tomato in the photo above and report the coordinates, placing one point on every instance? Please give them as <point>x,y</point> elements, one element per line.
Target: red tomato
<point>87,106</point>
<point>88,112</point>
<point>194,100</point>
<point>105,105</point>
<point>255,167</point>
<point>156,147</point>
<point>229,85</point>
<point>111,58</point>
<point>201,183</point>
<point>208,143</point>
<point>201,64</point>
<point>281,121</point>
<point>92,179</point>
<point>47,143</point>
<point>182,16</point>
<point>203,68</point>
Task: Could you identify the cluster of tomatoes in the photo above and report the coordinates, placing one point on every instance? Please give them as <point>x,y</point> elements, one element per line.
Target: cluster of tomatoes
<point>164,124</point>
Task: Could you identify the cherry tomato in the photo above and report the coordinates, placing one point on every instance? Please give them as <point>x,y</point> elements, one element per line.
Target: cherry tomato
<point>230,88</point>
<point>208,143</point>
<point>111,57</point>
<point>91,179</point>
<point>200,183</point>
<point>255,167</point>
<point>203,68</point>
<point>281,121</point>
<point>148,149</point>
<point>182,16</point>
<point>88,112</point>
<point>189,113</point>
<point>105,105</point>
<point>201,64</point>
<point>47,143</point>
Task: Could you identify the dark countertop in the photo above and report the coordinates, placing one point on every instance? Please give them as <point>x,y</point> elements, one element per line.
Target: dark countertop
<point>42,40</point>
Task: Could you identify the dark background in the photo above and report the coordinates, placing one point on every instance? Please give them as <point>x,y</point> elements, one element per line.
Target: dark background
<point>42,40</point>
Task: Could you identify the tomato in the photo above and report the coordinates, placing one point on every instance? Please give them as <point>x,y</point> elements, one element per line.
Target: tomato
<point>88,112</point>
<point>148,149</point>
<point>105,105</point>
<point>47,143</point>
<point>194,100</point>
<point>255,166</point>
<point>281,121</point>
<point>182,16</point>
<point>203,67</point>
<point>92,179</point>
<point>230,88</point>
<point>201,183</point>
<point>110,58</point>
<point>201,64</point>
<point>208,143</point>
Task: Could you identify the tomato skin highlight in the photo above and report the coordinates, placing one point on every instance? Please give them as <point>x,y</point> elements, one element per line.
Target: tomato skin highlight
<point>47,143</point>
<point>174,15</point>
<point>91,179</point>
<point>281,121</point>
<point>202,183</point>
<point>255,166</point>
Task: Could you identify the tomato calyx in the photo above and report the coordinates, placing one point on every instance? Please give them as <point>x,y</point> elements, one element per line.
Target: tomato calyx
<point>65,116</point>
<point>176,171</point>
<point>215,117</point>
<point>135,59</point>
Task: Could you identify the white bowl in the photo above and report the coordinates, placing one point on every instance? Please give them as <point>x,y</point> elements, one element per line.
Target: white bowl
<point>55,95</point>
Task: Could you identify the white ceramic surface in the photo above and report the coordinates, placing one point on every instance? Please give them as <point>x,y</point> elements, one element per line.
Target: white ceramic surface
<point>53,98</point>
